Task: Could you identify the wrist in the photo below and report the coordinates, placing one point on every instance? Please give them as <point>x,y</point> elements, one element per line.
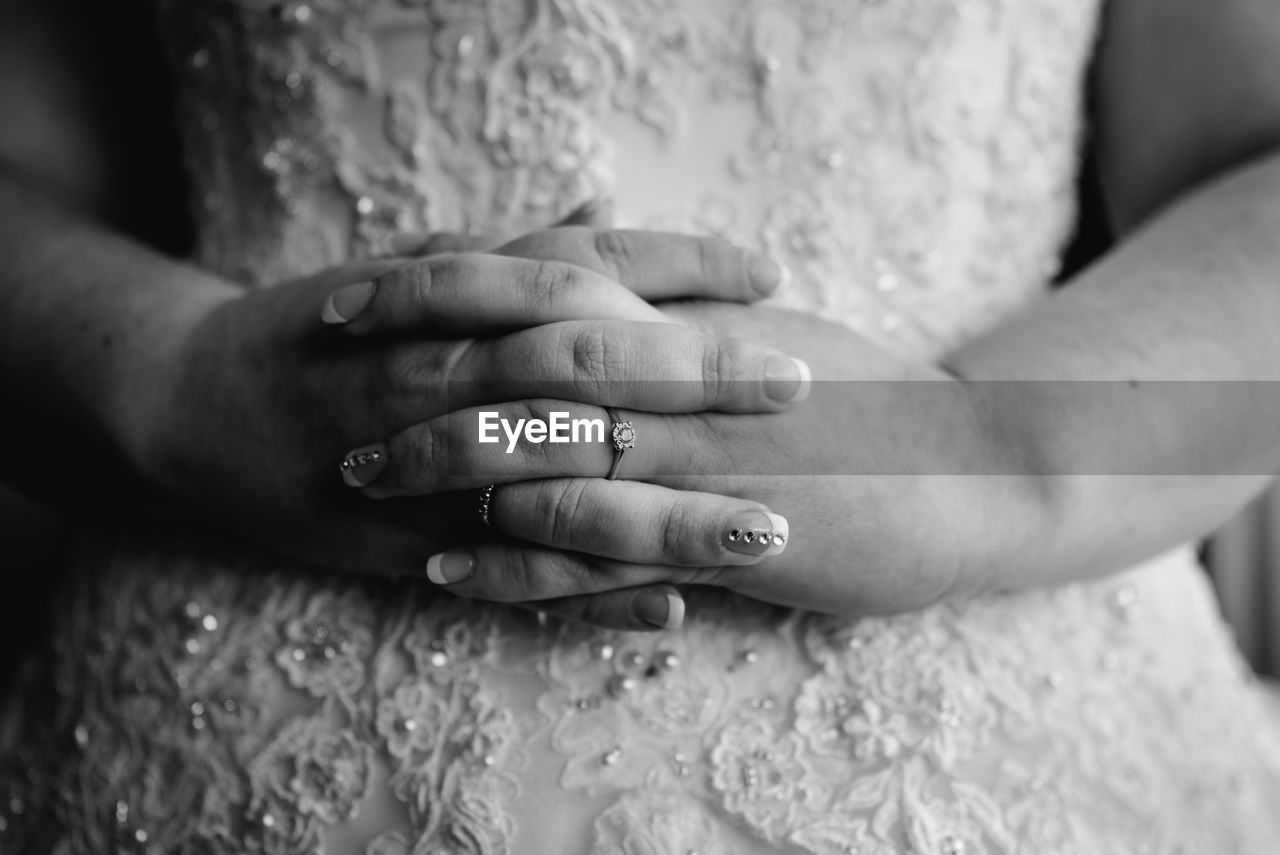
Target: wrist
<point>1013,501</point>
<point>145,392</point>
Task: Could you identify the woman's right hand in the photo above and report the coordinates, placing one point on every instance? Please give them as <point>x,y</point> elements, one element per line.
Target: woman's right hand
<point>258,401</point>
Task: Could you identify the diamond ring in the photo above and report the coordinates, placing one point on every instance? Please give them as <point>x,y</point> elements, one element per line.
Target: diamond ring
<point>486,502</point>
<point>624,438</point>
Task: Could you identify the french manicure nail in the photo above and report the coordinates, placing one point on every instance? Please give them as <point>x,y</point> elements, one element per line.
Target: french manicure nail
<point>756,533</point>
<point>767,275</point>
<point>362,467</point>
<point>346,304</point>
<point>787,380</point>
<point>449,567</point>
<point>659,609</point>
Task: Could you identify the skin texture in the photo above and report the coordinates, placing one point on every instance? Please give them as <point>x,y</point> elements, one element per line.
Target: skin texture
<point>1187,131</point>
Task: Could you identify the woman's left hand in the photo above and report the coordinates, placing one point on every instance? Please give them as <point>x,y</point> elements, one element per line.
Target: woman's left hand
<point>894,491</point>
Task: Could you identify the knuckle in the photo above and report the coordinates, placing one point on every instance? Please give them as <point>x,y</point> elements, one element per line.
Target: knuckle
<point>615,254</point>
<point>714,451</point>
<point>589,350</point>
<point>424,451</point>
<point>446,278</point>
<point>404,373</point>
<point>594,358</point>
<point>544,510</point>
<point>534,409</point>
<point>538,575</point>
<point>445,358</point>
<point>561,508</point>
<point>515,579</point>
<point>520,575</point>
<point>550,284</point>
<point>719,356</point>
<point>679,532</point>
<point>421,280</point>
<point>414,378</point>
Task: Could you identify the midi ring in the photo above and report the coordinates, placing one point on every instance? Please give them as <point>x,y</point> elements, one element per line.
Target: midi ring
<point>486,502</point>
<point>624,438</point>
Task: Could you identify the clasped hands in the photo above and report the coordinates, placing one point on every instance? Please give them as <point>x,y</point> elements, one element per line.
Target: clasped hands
<point>587,322</point>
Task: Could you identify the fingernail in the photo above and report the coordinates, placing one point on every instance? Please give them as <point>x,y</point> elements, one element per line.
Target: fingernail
<point>408,243</point>
<point>757,533</point>
<point>660,609</point>
<point>362,467</point>
<point>787,380</point>
<point>449,567</point>
<point>767,275</point>
<point>346,304</point>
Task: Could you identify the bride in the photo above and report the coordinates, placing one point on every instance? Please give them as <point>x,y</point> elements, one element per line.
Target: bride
<point>882,550</point>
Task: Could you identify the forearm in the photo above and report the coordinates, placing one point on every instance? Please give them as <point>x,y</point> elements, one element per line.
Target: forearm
<point>1134,466</point>
<point>88,321</point>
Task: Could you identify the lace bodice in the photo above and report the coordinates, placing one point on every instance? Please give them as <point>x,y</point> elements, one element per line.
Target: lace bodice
<point>912,162</point>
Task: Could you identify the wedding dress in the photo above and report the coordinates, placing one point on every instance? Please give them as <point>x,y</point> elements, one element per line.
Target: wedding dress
<point>913,162</point>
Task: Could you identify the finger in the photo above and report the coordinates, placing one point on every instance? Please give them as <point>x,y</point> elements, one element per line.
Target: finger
<point>648,609</point>
<point>653,367</point>
<point>563,274</point>
<point>511,572</point>
<point>644,367</point>
<point>659,265</point>
<point>639,367</point>
<point>467,450</point>
<point>543,438</point>
<point>480,294</point>
<point>639,523</point>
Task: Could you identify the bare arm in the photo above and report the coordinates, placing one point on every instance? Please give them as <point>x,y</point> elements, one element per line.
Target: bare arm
<point>85,312</point>
<point>1189,122</point>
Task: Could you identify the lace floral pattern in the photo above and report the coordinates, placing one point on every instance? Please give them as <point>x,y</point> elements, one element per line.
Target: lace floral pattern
<point>314,117</point>
<point>912,161</point>
<point>1003,725</point>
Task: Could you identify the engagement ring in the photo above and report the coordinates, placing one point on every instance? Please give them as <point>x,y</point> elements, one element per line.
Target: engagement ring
<point>486,501</point>
<point>624,437</point>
